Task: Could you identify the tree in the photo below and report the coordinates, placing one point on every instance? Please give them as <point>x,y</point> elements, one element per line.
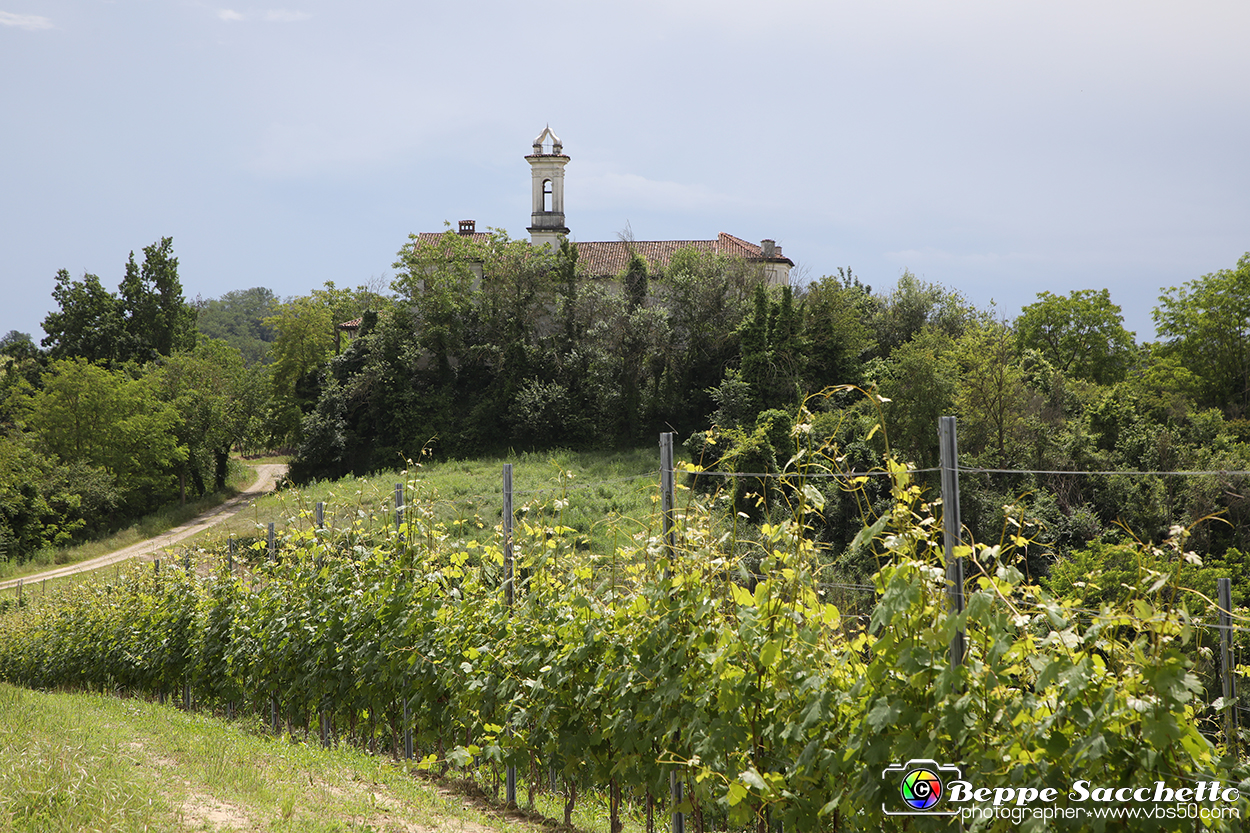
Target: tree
<point>157,319</point>
<point>305,328</point>
<point>20,358</point>
<point>238,318</point>
<point>208,387</point>
<point>1082,335</point>
<point>992,397</point>
<point>148,318</point>
<point>88,322</point>
<point>920,379</point>
<point>914,305</point>
<point>1206,324</point>
<point>105,419</point>
<point>705,297</point>
<point>835,312</point>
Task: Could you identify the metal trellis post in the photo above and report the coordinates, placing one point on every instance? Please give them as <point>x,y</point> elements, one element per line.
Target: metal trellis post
<point>1225,589</point>
<point>666,525</point>
<point>508,572</point>
<point>399,511</point>
<point>951,527</point>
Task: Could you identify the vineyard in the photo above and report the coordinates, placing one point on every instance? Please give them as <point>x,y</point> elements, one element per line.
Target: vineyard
<point>714,657</point>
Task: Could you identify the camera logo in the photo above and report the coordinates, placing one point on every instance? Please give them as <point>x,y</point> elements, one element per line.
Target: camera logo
<point>922,789</point>
<point>921,785</point>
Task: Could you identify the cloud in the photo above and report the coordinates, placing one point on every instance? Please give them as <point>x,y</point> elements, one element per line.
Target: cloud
<point>25,21</point>
<point>270,16</point>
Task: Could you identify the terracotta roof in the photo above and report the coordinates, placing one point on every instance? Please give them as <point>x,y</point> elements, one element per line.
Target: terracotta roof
<point>433,238</point>
<point>354,324</point>
<point>608,258</point>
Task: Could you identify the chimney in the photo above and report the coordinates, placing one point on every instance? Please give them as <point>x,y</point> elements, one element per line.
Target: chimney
<point>467,227</point>
<point>769,247</point>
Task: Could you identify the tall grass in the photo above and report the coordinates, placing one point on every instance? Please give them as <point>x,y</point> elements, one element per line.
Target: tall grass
<point>589,492</point>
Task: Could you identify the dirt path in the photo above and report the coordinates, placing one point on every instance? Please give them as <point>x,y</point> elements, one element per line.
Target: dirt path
<point>266,477</point>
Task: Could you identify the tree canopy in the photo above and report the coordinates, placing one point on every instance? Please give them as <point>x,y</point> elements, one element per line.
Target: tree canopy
<point>147,318</point>
<point>1082,335</point>
<point>1206,324</point>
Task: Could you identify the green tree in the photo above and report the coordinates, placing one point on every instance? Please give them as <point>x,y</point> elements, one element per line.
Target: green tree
<point>45,502</point>
<point>208,387</point>
<point>836,310</point>
<point>705,298</point>
<point>148,318</point>
<point>914,305</point>
<point>991,397</point>
<point>87,323</point>
<point>1206,324</point>
<point>305,329</point>
<point>21,359</point>
<point>920,379</point>
<point>157,319</point>
<point>106,419</point>
<point>1082,334</point>
<point>238,318</point>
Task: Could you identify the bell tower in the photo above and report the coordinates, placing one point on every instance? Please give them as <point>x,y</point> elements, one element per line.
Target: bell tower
<point>547,172</point>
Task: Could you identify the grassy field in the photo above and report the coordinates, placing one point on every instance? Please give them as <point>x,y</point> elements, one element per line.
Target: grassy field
<point>86,762</point>
<point>588,491</point>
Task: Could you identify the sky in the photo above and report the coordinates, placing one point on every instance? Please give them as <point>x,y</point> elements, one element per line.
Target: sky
<point>1000,149</point>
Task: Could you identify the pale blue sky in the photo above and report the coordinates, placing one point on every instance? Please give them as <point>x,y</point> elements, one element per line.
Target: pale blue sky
<point>998,148</point>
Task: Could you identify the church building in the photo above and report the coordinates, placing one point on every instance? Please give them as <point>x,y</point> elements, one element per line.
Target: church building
<point>607,259</point>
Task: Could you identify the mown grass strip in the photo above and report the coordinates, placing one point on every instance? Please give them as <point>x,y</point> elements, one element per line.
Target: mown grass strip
<point>84,762</point>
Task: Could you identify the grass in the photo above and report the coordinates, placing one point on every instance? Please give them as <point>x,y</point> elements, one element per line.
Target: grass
<point>588,491</point>
<point>146,527</point>
<point>78,762</point>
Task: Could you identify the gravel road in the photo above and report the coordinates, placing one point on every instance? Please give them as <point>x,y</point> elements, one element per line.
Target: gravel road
<point>266,477</point>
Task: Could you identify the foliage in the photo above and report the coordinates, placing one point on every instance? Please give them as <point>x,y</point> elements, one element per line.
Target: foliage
<point>157,320</point>
<point>1205,323</point>
<point>147,318</point>
<point>1082,335</point>
<point>238,318</point>
<point>87,415</point>
<point>306,330</point>
<point>736,673</point>
<point>836,312</point>
<point>914,306</point>
<point>88,322</point>
<point>920,382</point>
<point>213,393</point>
